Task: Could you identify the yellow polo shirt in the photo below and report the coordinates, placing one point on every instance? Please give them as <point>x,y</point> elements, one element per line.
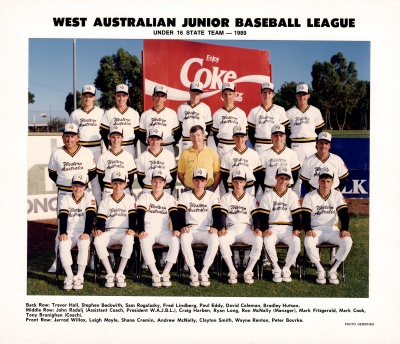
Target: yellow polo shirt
<point>191,159</point>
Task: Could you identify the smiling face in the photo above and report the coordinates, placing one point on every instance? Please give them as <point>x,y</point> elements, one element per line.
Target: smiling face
<point>194,97</point>
<point>282,181</point>
<point>77,190</point>
<point>323,147</point>
<point>302,98</point>
<point>155,143</point>
<point>278,139</point>
<point>122,99</point>
<point>118,187</point>
<point>199,183</point>
<point>159,99</point>
<point>70,141</point>
<point>116,140</point>
<point>267,95</point>
<point>228,97</point>
<point>197,138</point>
<point>158,184</point>
<point>88,100</point>
<point>240,140</point>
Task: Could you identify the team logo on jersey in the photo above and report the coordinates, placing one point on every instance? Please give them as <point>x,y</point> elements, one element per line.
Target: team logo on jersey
<point>218,200</point>
<point>175,203</point>
<point>257,204</point>
<point>344,201</point>
<point>326,169</point>
<point>298,202</point>
<point>93,202</point>
<point>94,161</point>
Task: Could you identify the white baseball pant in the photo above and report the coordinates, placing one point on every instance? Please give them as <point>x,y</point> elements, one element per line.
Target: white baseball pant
<point>67,245</point>
<point>202,237</point>
<point>110,238</point>
<point>164,238</point>
<point>247,237</point>
<point>94,183</point>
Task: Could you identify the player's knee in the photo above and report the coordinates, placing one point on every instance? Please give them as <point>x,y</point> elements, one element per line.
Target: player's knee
<point>347,241</point>
<point>213,240</point>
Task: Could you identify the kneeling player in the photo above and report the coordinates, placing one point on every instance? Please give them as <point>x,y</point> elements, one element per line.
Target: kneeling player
<point>116,221</point>
<point>280,217</point>
<point>76,215</point>
<point>239,211</point>
<point>199,214</point>
<point>320,222</point>
<point>155,211</point>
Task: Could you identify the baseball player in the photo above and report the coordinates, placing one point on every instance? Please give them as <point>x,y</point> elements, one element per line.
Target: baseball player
<point>88,119</point>
<point>280,219</point>
<point>239,211</point>
<point>199,216</point>
<point>162,117</point>
<point>156,158</point>
<point>263,117</point>
<point>116,222</point>
<point>306,123</point>
<point>194,112</point>
<point>123,116</point>
<point>67,161</point>
<point>115,159</point>
<point>77,214</point>
<point>225,119</point>
<point>313,165</point>
<point>321,209</point>
<point>155,211</point>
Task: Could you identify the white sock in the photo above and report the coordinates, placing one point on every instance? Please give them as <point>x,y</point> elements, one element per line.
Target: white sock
<point>107,266</point>
<point>153,269</point>
<point>192,270</point>
<point>81,270</point>
<point>287,266</point>
<point>246,255</point>
<point>164,256</point>
<point>122,265</point>
<point>167,268</point>
<point>251,264</point>
<point>68,271</point>
<point>205,269</point>
<point>336,265</point>
<point>236,254</point>
<point>275,266</point>
<point>319,267</point>
<point>229,262</point>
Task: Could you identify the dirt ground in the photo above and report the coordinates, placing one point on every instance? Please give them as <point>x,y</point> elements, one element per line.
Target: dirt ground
<point>41,233</point>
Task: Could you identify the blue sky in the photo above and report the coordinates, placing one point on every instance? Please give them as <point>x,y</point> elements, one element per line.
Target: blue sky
<point>51,64</point>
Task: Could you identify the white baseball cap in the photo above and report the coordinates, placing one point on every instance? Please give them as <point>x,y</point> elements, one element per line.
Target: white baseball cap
<point>71,128</point>
<point>278,128</point>
<point>325,172</point>
<point>284,171</point>
<point>160,89</point>
<point>268,85</point>
<point>302,88</point>
<point>159,173</point>
<point>238,173</point>
<point>80,178</point>
<point>228,86</point>
<point>90,89</point>
<point>196,86</point>
<point>118,176</point>
<point>115,129</point>
<point>156,132</point>
<point>122,89</point>
<point>324,136</point>
<point>239,130</point>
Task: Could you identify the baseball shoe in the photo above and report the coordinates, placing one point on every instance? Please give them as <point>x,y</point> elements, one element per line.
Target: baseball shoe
<point>156,281</point>
<point>186,267</point>
<point>321,277</point>
<point>277,276</point>
<point>53,267</point>
<point>194,278</point>
<point>286,276</point>
<point>165,280</point>
<point>203,277</point>
<point>248,277</point>
<point>266,262</point>
<point>120,278</point>
<point>68,283</point>
<point>232,277</point>
<point>236,263</point>
<point>332,276</point>
<point>78,283</point>
<point>110,281</point>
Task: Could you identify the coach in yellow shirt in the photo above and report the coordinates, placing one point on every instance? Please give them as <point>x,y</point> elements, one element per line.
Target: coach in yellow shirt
<point>199,156</point>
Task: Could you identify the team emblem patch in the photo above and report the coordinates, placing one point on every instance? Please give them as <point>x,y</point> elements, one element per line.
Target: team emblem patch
<point>257,204</point>
<point>88,88</point>
<point>326,169</point>
<point>344,200</point>
<point>161,87</point>
<point>284,169</point>
<point>118,174</point>
<point>93,202</point>
<point>227,84</point>
<point>239,128</point>
<point>268,84</point>
<point>302,87</point>
<point>199,172</point>
<point>155,130</point>
<point>70,127</point>
<point>237,173</point>
<point>80,177</point>
<point>197,85</point>
<point>324,135</point>
<point>94,161</point>
<point>298,202</point>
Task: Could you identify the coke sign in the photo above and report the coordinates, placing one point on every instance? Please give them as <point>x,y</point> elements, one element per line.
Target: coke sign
<point>177,63</point>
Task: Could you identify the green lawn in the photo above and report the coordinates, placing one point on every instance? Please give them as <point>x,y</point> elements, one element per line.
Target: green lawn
<point>356,285</point>
<point>351,134</point>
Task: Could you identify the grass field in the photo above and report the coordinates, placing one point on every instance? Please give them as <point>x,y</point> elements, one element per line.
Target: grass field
<point>40,282</point>
<point>350,134</point>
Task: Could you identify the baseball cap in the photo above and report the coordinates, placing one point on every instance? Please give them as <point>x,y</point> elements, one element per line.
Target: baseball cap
<point>324,136</point>
<point>239,130</point>
<point>325,172</point>
<point>122,89</point>
<point>238,174</point>
<point>196,86</point>
<point>302,88</point>
<point>200,173</point>
<point>156,132</point>
<point>159,173</point>
<point>284,171</point>
<point>80,178</point>
<point>71,128</point>
<point>228,86</point>
<point>278,128</point>
<point>89,89</point>
<point>160,89</point>
<point>268,85</point>
<point>115,129</point>
<point>118,176</point>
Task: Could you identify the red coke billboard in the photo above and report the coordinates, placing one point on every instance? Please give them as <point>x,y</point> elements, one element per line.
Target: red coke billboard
<point>176,64</point>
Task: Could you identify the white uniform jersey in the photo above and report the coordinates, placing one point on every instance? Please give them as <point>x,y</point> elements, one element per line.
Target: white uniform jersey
<point>76,210</point>
<point>188,116</point>
<point>157,219</point>
<point>109,162</point>
<point>272,160</point>
<point>239,212</point>
<point>224,121</point>
<point>324,210</point>
<point>66,164</point>
<point>148,162</point>
<point>116,212</point>
<point>89,126</point>
<point>165,118</point>
<point>280,207</point>
<point>314,164</point>
<point>199,209</point>
<point>249,161</point>
<point>263,120</point>
<point>304,123</point>
<point>128,120</point>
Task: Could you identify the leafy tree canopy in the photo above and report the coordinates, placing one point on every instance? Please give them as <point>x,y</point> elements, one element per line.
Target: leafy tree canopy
<point>31,97</point>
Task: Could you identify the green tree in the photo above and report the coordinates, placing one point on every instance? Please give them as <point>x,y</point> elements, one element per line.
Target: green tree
<point>120,68</point>
<point>286,96</point>
<point>56,123</point>
<point>31,98</point>
<point>69,102</point>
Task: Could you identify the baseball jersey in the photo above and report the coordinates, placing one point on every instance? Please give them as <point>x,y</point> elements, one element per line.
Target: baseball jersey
<point>280,207</point>
<point>89,126</point>
<point>199,209</point>
<point>271,160</point>
<point>323,210</point>
<point>262,120</point>
<point>66,164</point>
<point>116,212</point>
<point>128,120</point>
<point>148,162</point>
<point>188,116</point>
<point>109,162</point>
<point>76,210</point>
<point>166,119</point>
<point>224,121</point>
<point>313,164</point>
<point>156,219</point>
<point>239,212</point>
<point>304,123</point>
<point>248,159</point>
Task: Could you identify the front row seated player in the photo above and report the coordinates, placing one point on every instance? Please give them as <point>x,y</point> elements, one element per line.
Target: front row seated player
<point>321,208</point>
<point>116,219</point>
<point>199,215</point>
<point>239,211</point>
<point>155,210</point>
<point>76,216</point>
<point>280,218</point>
